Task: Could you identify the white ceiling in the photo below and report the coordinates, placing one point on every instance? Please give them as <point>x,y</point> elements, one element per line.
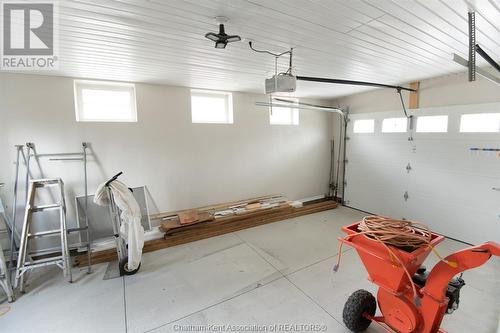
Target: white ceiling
<point>159,41</point>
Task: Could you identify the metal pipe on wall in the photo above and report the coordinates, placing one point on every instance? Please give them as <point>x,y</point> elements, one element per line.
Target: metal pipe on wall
<point>300,106</point>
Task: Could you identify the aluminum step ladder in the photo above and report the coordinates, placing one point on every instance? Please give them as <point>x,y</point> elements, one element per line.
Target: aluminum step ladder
<point>24,263</point>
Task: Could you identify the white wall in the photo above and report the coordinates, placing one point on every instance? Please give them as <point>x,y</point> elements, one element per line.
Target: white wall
<point>454,89</point>
<point>182,164</point>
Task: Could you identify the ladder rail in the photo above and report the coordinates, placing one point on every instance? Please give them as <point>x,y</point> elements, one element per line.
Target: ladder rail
<point>21,259</point>
<point>85,181</point>
<point>12,244</point>
<point>64,234</point>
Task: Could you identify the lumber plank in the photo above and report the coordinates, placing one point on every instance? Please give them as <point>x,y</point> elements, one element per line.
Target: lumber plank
<point>159,216</point>
<point>214,228</point>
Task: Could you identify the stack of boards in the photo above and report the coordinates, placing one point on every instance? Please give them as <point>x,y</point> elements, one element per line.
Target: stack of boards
<point>180,219</point>
<point>190,225</point>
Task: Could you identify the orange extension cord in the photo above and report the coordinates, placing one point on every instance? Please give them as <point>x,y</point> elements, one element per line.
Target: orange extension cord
<point>398,233</point>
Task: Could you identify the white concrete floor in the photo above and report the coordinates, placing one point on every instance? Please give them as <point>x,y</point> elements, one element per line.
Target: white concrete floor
<point>279,273</point>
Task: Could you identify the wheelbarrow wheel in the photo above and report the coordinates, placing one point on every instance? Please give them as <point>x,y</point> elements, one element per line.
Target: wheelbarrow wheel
<point>124,270</point>
<point>359,303</point>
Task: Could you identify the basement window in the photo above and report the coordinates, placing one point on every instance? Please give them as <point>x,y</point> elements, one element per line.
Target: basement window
<point>284,115</point>
<point>364,126</point>
<point>211,107</point>
<point>101,101</point>
<point>432,124</point>
<point>394,125</point>
<point>480,123</point>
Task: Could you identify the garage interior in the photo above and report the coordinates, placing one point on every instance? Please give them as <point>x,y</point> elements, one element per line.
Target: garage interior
<point>250,166</point>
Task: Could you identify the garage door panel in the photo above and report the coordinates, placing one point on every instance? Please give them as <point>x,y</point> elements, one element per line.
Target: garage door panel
<point>455,220</point>
<point>394,169</point>
<point>384,177</point>
<point>450,186</point>
<point>457,156</point>
<point>378,150</point>
<point>470,190</point>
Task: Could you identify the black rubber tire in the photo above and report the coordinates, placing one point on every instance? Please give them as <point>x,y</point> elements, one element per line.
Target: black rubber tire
<point>124,270</point>
<point>361,301</point>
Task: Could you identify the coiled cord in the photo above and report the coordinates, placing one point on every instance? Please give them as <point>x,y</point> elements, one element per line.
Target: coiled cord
<point>403,234</point>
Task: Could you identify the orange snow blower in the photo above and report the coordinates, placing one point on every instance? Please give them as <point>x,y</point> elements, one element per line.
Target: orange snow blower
<point>410,299</point>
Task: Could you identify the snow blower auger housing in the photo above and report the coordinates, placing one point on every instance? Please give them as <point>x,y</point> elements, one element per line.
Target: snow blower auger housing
<point>415,305</point>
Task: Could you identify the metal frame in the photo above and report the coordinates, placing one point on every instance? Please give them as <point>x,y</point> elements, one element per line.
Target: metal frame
<point>19,151</point>
<point>282,103</point>
<point>361,83</point>
<point>351,82</point>
<point>486,57</point>
<point>13,230</point>
<point>472,46</point>
<point>344,160</point>
<point>459,60</point>
<point>71,156</point>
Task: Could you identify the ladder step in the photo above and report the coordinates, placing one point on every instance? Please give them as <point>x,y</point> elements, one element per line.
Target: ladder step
<point>54,250</point>
<point>45,233</point>
<point>77,229</point>
<point>37,264</point>
<point>45,207</point>
<point>45,182</point>
<point>43,261</point>
<point>44,252</point>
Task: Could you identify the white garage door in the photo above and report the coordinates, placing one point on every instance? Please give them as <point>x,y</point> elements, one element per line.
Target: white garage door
<point>448,180</point>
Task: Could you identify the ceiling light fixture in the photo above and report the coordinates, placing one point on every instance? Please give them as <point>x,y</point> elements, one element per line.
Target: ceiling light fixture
<point>221,39</point>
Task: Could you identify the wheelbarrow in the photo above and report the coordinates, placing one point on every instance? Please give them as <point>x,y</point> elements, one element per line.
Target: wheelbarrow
<point>415,305</point>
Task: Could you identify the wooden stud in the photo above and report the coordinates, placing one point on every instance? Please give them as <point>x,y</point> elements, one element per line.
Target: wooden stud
<point>414,95</point>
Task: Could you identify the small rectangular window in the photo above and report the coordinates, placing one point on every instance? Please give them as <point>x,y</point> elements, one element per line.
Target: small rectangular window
<point>105,101</point>
<point>432,124</point>
<point>394,125</point>
<point>480,122</point>
<point>364,126</point>
<point>211,107</point>
<point>284,115</point>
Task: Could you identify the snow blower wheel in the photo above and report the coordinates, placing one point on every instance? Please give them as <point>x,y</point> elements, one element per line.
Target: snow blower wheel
<point>361,302</point>
<point>124,267</point>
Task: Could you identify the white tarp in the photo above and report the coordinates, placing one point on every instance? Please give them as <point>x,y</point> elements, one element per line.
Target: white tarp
<point>131,229</point>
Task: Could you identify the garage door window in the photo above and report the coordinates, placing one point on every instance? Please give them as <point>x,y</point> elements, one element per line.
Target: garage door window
<point>364,126</point>
<point>100,101</point>
<point>394,125</point>
<point>480,122</point>
<point>211,107</point>
<point>432,124</point>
